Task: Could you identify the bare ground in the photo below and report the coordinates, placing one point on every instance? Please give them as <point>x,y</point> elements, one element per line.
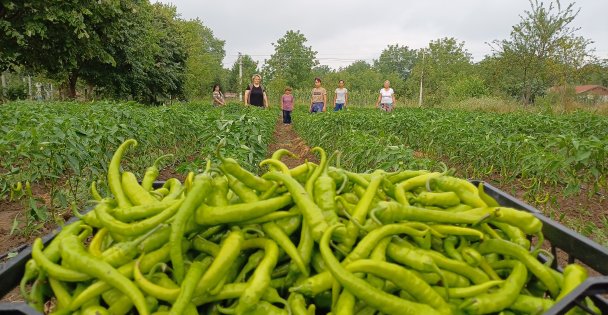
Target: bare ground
<point>286,138</point>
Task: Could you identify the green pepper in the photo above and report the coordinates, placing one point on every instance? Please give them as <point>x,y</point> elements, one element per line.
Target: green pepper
<point>441,199</point>
<point>232,167</point>
<point>466,191</point>
<point>507,248</point>
<point>200,187</point>
<point>574,275</point>
<point>54,270</point>
<point>135,192</point>
<point>152,172</point>
<point>380,300</point>
<point>311,212</point>
<point>207,215</point>
<point>501,298</point>
<point>260,280</point>
<point>218,196</point>
<point>75,255</point>
<point>135,228</point>
<point>324,192</point>
<point>114,177</point>
<point>188,288</point>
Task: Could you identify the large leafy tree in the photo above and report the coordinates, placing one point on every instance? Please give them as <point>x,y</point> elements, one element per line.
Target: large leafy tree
<point>397,59</point>
<point>123,48</point>
<point>543,49</point>
<point>149,53</point>
<point>361,76</point>
<point>58,36</point>
<point>443,63</point>
<point>292,61</point>
<point>204,62</point>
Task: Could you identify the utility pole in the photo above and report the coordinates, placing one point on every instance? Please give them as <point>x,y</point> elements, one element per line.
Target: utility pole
<point>240,77</point>
<point>421,76</point>
<point>29,86</point>
<point>3,85</point>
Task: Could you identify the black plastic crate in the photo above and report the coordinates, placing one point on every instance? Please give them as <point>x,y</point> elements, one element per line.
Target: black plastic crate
<point>575,245</point>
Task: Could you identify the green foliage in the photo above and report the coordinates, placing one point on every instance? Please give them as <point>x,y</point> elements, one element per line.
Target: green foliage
<point>397,59</point>
<point>250,67</point>
<point>595,72</point>
<point>292,60</point>
<point>73,32</point>
<point>17,92</point>
<point>364,148</point>
<point>442,64</point>
<point>122,49</point>
<point>203,66</point>
<point>363,82</point>
<point>547,149</point>
<point>47,142</point>
<point>542,51</point>
<point>467,87</point>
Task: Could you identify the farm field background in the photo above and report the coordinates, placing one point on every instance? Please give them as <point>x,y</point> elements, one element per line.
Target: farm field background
<point>556,162</point>
<point>61,148</point>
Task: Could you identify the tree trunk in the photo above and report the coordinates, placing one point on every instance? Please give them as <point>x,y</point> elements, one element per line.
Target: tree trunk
<point>72,79</point>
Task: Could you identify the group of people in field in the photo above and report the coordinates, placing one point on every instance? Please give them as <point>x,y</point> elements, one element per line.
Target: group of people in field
<point>255,95</point>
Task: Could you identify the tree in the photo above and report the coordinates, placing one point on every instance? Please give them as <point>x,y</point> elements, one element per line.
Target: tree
<point>292,60</point>
<point>361,76</point>
<point>321,71</point>
<point>541,47</point>
<point>58,36</point>
<point>595,72</point>
<point>443,63</point>
<point>397,59</point>
<point>204,63</point>
<point>150,56</point>
<point>250,67</point>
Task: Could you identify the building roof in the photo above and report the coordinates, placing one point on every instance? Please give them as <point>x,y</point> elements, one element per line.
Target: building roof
<point>585,88</point>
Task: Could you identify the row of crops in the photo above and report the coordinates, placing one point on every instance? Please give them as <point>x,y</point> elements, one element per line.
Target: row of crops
<point>570,150</point>
<point>65,146</point>
<point>559,163</point>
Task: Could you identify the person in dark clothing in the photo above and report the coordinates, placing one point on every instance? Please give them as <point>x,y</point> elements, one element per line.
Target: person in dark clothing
<point>255,94</point>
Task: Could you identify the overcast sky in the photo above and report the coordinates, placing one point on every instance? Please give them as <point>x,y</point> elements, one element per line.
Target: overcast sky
<point>343,31</point>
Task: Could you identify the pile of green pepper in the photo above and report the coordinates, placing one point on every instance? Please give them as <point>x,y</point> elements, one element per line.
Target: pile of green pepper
<point>306,240</point>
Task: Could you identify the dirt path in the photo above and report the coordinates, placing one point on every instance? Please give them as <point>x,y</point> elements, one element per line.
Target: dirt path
<point>285,137</point>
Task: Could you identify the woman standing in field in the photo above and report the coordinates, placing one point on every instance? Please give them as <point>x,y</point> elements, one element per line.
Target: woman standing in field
<point>287,102</point>
<point>218,96</point>
<point>341,97</point>
<point>255,94</point>
<point>318,99</point>
<point>386,99</point>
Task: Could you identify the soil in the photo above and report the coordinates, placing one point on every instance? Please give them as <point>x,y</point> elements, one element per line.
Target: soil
<point>17,209</point>
<point>285,137</point>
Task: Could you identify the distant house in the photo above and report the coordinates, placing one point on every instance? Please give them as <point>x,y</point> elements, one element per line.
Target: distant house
<point>592,92</point>
<point>588,93</point>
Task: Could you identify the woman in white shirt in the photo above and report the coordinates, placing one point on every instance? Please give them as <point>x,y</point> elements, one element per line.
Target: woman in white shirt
<point>386,99</point>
